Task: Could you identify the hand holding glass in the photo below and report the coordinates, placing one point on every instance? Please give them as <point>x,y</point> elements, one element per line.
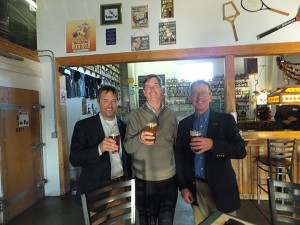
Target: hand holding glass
<point>151,127</point>
<point>115,135</point>
<point>194,134</point>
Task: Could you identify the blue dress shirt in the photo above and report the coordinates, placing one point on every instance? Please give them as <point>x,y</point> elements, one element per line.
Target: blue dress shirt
<point>201,124</point>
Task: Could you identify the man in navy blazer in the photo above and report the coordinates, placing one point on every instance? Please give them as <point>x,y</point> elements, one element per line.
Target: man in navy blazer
<point>99,157</point>
<point>205,175</point>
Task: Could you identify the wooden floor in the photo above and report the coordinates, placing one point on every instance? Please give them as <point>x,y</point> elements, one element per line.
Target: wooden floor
<point>63,211</point>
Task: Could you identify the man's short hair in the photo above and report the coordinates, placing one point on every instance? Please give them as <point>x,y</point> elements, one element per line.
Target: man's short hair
<point>148,77</point>
<point>107,88</point>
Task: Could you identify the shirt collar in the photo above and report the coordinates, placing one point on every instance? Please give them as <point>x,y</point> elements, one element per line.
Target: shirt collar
<point>205,115</point>
<point>153,110</point>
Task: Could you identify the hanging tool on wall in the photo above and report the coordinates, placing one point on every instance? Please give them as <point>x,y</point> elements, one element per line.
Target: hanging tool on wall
<point>257,5</point>
<point>296,18</point>
<point>232,16</point>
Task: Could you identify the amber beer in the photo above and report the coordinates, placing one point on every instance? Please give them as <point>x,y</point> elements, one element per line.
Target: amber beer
<point>151,127</point>
<point>116,137</point>
<point>194,134</point>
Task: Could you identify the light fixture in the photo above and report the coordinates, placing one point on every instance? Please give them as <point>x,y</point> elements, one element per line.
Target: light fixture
<point>287,95</point>
<point>32,3</point>
<point>11,56</point>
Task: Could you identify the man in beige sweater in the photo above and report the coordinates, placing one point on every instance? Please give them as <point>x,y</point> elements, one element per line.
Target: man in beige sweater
<point>153,156</point>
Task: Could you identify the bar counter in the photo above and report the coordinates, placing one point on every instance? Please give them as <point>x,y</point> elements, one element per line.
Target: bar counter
<point>256,144</point>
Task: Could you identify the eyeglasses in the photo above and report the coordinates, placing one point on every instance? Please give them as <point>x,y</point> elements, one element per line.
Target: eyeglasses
<point>201,93</point>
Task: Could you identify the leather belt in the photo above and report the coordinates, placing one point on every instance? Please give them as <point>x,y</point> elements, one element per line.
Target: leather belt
<point>117,179</point>
<point>201,180</point>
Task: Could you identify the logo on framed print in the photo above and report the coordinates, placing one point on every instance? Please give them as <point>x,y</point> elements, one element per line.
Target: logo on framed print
<point>139,17</point>
<point>140,43</point>
<point>167,33</point>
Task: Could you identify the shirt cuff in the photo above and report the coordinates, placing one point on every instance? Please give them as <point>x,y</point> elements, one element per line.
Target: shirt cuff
<point>99,150</point>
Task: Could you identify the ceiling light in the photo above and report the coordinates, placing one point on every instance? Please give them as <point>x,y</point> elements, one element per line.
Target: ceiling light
<point>32,3</point>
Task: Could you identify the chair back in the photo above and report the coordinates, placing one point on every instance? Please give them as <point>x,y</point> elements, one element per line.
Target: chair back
<point>284,202</point>
<point>281,154</point>
<point>110,204</point>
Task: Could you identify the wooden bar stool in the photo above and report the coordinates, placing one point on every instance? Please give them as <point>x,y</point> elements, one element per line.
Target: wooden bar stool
<point>278,163</point>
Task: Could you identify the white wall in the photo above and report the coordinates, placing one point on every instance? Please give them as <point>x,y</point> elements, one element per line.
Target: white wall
<point>199,24</point>
<point>25,74</point>
<point>51,156</point>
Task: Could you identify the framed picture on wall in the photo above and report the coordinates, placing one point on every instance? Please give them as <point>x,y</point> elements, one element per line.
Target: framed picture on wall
<point>111,14</point>
<point>139,17</point>
<point>167,9</point>
<point>167,33</point>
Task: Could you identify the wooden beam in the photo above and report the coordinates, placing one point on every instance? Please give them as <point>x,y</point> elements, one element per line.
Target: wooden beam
<point>9,47</point>
<point>183,54</point>
<point>229,84</point>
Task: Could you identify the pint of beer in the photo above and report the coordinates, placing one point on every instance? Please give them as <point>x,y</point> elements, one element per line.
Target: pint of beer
<point>152,127</point>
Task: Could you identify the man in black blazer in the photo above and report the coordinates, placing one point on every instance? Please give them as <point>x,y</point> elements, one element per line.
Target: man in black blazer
<point>99,157</point>
<point>205,175</point>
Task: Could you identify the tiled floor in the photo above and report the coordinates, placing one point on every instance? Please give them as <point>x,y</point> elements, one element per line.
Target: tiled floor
<point>63,211</point>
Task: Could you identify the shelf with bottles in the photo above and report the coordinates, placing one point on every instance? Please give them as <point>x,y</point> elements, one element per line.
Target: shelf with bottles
<point>177,93</point>
<point>178,90</point>
<point>217,82</point>
<point>218,91</point>
<point>110,74</point>
<point>241,76</point>
<point>242,95</point>
<point>242,109</point>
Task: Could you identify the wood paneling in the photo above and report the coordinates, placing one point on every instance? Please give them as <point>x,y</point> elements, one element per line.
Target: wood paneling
<point>9,47</point>
<point>246,169</point>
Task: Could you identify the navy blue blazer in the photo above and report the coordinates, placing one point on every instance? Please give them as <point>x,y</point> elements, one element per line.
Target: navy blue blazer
<point>95,169</point>
<point>221,178</point>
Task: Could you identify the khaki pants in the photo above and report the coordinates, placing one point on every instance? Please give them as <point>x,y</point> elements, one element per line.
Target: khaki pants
<point>206,205</point>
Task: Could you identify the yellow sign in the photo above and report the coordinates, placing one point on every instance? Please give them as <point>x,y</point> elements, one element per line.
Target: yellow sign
<point>130,80</point>
<point>81,35</point>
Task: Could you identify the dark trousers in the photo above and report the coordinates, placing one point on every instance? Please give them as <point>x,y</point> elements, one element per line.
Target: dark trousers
<point>156,201</point>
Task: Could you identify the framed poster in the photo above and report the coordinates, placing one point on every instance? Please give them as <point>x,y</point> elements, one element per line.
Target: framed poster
<point>111,14</point>
<point>167,33</point>
<point>81,35</point>
<point>167,9</point>
<point>140,43</point>
<point>139,17</point>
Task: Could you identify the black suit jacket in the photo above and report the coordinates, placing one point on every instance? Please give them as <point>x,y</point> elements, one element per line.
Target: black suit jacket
<point>95,169</point>
<point>221,178</point>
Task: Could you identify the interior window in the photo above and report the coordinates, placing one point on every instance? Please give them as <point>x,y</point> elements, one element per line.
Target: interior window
<point>196,71</point>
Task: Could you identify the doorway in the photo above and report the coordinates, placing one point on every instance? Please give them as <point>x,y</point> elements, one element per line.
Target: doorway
<point>22,182</point>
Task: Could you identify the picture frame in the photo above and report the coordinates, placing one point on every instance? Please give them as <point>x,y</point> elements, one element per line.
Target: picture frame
<point>167,9</point>
<point>139,17</point>
<point>111,14</point>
